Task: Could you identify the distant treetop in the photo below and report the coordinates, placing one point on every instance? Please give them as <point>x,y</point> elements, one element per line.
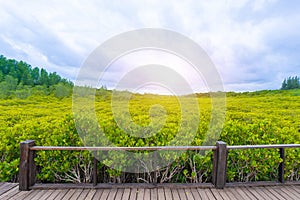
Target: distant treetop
<point>291,83</point>
<point>19,79</point>
<point>26,75</point>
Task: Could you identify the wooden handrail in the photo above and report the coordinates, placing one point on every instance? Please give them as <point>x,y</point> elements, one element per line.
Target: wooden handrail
<point>155,148</point>
<point>166,148</point>
<point>264,146</point>
<point>27,152</point>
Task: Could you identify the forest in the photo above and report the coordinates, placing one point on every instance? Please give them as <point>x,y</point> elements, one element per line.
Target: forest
<point>19,79</point>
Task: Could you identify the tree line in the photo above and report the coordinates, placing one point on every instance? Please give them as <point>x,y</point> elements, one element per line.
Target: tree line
<point>19,79</point>
<point>291,83</point>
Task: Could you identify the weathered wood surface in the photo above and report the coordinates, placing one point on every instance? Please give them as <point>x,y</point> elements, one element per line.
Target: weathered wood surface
<point>219,165</point>
<point>27,166</point>
<point>11,191</point>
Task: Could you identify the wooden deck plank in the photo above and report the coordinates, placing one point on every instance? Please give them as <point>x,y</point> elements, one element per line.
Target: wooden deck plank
<point>288,192</point>
<point>265,193</point>
<point>54,194</point>
<point>296,188</point>
<point>61,194</point>
<point>45,195</point>
<point>6,184</point>
<point>202,193</point>
<point>97,195</point>
<point>195,193</point>
<point>154,194</point>
<point>161,194</point>
<point>133,194</point>
<point>13,191</point>
<point>189,193</point>
<point>259,193</point>
<point>168,193</point>
<point>223,194</point>
<point>76,194</point>
<point>104,194</point>
<point>6,187</point>
<point>284,193</point>
<point>147,195</point>
<point>249,193</point>
<point>140,194</point>
<point>90,194</point>
<point>275,192</point>
<point>84,194</point>
<point>216,193</point>
<point>119,194</point>
<point>126,194</point>
<point>33,195</point>
<point>235,194</point>
<point>175,194</point>
<point>227,194</point>
<point>243,194</point>
<point>182,194</point>
<point>209,194</point>
<point>269,191</point>
<point>252,191</point>
<point>68,194</point>
<point>21,195</point>
<point>112,194</point>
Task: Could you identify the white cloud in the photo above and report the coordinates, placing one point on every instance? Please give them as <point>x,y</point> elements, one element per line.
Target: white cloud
<point>247,40</point>
<point>260,4</point>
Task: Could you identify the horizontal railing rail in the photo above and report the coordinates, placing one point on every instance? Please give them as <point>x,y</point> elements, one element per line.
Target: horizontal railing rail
<point>27,169</point>
<point>154,148</point>
<point>264,146</point>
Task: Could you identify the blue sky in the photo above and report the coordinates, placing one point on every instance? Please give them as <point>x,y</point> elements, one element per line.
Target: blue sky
<point>254,44</point>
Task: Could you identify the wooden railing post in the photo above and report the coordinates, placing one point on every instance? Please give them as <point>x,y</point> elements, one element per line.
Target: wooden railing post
<point>219,165</point>
<point>27,167</point>
<point>95,169</point>
<point>281,166</point>
<point>155,167</point>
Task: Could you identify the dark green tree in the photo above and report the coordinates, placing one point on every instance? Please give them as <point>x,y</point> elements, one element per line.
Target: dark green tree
<point>1,76</point>
<point>291,83</point>
<point>54,78</point>
<point>35,75</point>
<point>18,73</point>
<point>44,78</point>
<point>284,85</point>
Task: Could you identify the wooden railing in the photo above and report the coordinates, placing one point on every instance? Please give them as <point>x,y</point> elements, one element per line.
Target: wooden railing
<point>27,169</point>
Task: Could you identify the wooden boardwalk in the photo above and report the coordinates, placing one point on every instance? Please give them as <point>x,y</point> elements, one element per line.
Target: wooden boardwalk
<point>11,191</point>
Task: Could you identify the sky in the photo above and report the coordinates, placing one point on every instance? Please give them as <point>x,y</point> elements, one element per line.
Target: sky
<point>253,44</point>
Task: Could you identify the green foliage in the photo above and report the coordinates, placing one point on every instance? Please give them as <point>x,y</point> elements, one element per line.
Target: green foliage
<point>8,86</point>
<point>265,117</point>
<point>62,90</point>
